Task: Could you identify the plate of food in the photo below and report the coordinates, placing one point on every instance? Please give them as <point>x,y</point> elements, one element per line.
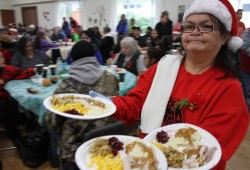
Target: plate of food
<point>186,146</point>
<point>120,153</point>
<point>79,106</point>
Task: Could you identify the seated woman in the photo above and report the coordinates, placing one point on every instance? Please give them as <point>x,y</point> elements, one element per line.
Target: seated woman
<point>7,110</point>
<point>7,46</point>
<point>87,36</point>
<point>43,45</point>
<point>85,75</point>
<point>152,56</point>
<point>26,56</point>
<point>130,57</point>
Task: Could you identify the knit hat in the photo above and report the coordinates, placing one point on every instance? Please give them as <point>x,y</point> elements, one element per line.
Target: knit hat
<point>223,11</point>
<point>82,49</point>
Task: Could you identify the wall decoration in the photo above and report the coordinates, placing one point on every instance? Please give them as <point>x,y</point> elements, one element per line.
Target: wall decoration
<point>46,15</point>
<point>181,8</point>
<point>98,16</point>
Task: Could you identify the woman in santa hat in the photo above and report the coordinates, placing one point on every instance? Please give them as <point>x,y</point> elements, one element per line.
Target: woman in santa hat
<point>199,88</point>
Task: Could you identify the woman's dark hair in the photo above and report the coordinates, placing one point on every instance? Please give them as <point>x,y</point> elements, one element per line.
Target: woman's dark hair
<point>89,33</point>
<point>224,58</point>
<point>154,52</point>
<point>21,45</point>
<point>149,28</point>
<point>94,39</point>
<point>165,43</point>
<point>180,17</point>
<point>164,13</point>
<point>38,37</point>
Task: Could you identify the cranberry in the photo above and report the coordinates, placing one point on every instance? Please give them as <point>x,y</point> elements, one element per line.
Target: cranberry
<point>162,137</point>
<point>73,112</point>
<point>116,145</point>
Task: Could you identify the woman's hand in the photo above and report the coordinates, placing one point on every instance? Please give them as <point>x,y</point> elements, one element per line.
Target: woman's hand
<point>34,70</point>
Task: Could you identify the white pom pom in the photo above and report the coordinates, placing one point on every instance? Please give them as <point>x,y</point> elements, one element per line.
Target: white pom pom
<point>235,43</point>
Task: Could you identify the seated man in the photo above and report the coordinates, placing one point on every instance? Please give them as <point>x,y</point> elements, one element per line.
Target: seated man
<point>85,75</point>
<point>7,109</point>
<point>57,35</point>
<point>137,36</point>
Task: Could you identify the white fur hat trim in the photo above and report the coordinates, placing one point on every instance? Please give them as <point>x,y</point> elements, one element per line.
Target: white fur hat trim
<point>235,43</point>
<point>213,7</point>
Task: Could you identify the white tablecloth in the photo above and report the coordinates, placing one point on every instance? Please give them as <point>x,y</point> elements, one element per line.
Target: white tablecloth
<point>64,51</point>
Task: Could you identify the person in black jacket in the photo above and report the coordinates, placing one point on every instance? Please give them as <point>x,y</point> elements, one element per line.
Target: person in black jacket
<point>107,44</point>
<point>165,26</point>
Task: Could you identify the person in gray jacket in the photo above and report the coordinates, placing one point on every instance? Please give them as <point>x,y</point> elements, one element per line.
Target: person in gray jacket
<point>85,75</point>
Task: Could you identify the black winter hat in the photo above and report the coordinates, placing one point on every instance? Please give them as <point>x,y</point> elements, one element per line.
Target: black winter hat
<point>82,49</point>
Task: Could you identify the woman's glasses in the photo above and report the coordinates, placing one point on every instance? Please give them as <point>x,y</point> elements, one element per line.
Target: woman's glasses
<point>201,28</point>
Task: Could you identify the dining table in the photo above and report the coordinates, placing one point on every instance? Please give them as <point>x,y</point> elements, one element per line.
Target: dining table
<point>63,50</point>
<point>18,89</point>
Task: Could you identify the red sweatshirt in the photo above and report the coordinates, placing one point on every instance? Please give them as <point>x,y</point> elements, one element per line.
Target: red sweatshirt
<point>12,73</point>
<point>216,105</point>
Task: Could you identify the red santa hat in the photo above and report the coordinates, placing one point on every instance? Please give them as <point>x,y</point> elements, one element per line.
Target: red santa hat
<point>223,11</point>
<point>177,31</point>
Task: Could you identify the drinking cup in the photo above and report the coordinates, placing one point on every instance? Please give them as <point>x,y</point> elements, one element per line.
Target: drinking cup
<point>121,77</point>
<point>39,68</point>
<point>53,69</point>
<point>113,68</point>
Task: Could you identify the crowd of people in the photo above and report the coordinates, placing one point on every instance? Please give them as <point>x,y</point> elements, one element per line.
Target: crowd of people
<point>199,62</point>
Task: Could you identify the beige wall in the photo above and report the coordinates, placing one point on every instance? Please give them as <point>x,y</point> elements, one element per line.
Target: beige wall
<point>50,7</point>
<point>21,2</point>
<point>172,7</point>
<point>89,6</point>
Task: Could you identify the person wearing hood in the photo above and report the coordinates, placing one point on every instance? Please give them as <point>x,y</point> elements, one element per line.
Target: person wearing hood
<point>85,74</point>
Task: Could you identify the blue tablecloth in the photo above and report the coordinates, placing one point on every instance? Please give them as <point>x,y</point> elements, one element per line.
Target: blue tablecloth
<point>34,102</point>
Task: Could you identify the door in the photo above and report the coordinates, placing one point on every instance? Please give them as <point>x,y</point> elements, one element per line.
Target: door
<point>30,15</point>
<point>8,17</point>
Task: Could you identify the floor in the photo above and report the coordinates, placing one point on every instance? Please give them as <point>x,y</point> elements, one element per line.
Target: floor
<point>11,160</point>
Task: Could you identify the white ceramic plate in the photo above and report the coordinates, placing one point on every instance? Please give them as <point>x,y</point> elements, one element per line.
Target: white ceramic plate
<point>111,110</point>
<point>82,153</point>
<point>116,70</point>
<point>207,139</point>
<point>120,70</point>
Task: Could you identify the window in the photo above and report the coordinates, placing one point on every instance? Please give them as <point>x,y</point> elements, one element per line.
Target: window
<point>245,5</point>
<point>69,9</point>
<point>138,6</point>
<point>136,9</point>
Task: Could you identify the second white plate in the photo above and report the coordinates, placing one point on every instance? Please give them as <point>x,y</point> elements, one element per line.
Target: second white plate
<point>207,139</point>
